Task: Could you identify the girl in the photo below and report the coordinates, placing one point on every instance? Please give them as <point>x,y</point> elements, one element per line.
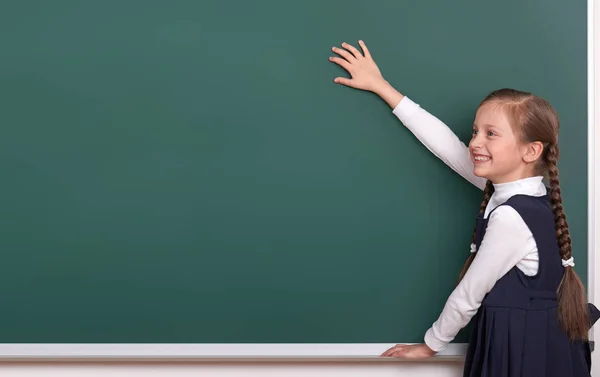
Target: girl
<point>519,286</point>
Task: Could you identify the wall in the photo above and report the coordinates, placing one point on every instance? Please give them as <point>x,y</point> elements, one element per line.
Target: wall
<point>383,368</point>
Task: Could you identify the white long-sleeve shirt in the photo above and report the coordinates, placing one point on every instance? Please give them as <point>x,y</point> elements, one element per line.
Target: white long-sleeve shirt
<point>508,242</point>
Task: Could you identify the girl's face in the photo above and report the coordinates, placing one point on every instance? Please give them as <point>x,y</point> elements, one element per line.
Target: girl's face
<point>495,149</point>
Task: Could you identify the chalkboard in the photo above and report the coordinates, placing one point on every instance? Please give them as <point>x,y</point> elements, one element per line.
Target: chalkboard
<point>188,172</point>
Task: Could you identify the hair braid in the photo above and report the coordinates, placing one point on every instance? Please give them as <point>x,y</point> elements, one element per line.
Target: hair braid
<point>562,228</point>
<point>573,310</point>
<point>487,194</point>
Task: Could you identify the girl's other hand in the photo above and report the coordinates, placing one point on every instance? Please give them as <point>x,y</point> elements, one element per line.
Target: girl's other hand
<point>410,351</point>
<point>361,67</point>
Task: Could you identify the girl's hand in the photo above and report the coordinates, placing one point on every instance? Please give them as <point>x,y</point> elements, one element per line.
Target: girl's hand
<point>365,73</point>
<point>410,351</point>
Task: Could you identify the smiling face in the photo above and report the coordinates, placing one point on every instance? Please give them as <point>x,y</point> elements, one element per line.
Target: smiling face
<point>496,151</point>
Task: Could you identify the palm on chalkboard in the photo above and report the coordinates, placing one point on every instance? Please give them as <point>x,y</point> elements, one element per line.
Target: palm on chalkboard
<point>364,71</point>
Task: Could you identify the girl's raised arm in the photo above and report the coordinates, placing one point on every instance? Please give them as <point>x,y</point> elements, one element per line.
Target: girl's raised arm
<point>429,130</point>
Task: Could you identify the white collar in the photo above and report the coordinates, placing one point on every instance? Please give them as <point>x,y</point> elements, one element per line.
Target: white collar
<point>533,186</point>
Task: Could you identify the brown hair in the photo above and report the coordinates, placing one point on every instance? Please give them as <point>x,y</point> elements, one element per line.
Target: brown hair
<point>534,119</point>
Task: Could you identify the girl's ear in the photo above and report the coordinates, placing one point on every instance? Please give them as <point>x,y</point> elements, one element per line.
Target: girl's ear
<point>533,151</point>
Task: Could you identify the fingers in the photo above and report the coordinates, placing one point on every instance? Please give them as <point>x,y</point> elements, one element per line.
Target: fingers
<point>353,50</point>
<point>389,350</point>
<point>345,54</point>
<point>400,353</point>
<point>406,351</point>
<point>347,66</point>
<point>397,350</point>
<point>343,81</point>
<point>365,49</point>
<point>353,62</point>
<point>341,62</point>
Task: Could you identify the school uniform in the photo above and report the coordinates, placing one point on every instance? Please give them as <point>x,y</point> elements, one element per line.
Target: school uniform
<point>516,330</point>
<point>510,289</point>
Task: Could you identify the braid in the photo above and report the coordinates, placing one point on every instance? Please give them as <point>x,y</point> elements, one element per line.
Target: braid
<point>573,311</point>
<point>562,228</point>
<point>487,194</point>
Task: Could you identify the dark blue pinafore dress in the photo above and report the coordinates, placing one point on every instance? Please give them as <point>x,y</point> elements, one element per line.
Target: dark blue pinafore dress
<point>515,332</point>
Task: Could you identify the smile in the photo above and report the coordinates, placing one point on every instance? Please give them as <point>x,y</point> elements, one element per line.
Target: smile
<point>481,158</point>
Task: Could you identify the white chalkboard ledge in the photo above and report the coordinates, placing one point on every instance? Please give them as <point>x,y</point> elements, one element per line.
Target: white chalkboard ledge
<point>271,352</point>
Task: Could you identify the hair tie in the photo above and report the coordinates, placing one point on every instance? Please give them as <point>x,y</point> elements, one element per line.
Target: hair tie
<point>568,262</point>
<point>473,248</point>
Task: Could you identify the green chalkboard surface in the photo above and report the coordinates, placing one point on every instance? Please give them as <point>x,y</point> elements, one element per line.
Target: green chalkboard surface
<point>187,171</point>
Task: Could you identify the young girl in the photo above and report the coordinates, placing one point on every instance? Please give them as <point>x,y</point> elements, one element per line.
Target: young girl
<point>519,286</point>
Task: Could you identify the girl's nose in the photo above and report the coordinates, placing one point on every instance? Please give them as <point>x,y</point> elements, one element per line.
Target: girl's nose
<point>476,142</point>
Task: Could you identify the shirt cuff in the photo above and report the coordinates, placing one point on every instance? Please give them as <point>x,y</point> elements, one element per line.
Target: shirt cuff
<point>405,109</point>
<point>434,343</point>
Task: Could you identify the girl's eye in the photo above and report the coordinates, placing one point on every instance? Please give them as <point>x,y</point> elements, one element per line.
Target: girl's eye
<point>474,132</point>
<point>490,133</point>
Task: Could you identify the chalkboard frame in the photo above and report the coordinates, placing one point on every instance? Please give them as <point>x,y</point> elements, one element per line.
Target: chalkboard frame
<point>346,351</point>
